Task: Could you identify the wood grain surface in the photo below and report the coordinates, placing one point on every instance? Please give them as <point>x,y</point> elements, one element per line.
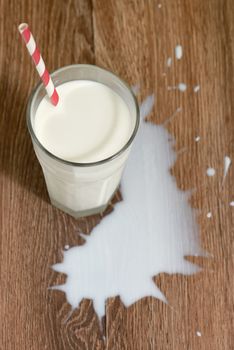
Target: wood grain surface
<point>133,38</point>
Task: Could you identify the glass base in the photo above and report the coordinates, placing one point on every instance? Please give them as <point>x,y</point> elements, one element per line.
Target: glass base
<point>79,214</point>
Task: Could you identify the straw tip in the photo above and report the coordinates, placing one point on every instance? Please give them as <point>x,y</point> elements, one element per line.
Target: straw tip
<point>55,98</point>
<point>22,27</point>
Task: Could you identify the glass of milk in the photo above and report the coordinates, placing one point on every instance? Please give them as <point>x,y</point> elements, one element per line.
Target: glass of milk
<point>83,143</point>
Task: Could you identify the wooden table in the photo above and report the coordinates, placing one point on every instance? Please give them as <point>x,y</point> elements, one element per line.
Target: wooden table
<point>133,38</point>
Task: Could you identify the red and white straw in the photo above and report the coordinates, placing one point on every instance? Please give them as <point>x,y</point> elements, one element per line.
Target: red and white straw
<point>39,63</point>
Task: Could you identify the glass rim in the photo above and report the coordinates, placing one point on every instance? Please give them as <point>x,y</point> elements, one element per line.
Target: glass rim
<point>89,164</point>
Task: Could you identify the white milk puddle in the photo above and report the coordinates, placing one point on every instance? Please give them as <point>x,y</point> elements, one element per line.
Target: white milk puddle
<point>149,232</point>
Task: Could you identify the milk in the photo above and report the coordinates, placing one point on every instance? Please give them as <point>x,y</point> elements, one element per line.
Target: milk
<point>90,124</point>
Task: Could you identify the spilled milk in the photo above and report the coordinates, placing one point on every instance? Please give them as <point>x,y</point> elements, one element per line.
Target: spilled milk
<point>148,232</point>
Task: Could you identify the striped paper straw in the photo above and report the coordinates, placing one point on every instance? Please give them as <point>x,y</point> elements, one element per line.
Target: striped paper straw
<point>39,63</point>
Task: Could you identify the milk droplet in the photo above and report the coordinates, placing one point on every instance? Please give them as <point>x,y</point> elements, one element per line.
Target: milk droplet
<point>182,87</point>
<point>197,138</point>
<point>196,88</point>
<point>209,215</point>
<point>169,61</point>
<point>210,172</point>
<point>232,204</point>
<point>198,334</point>
<point>66,246</point>
<point>227,163</point>
<point>178,52</point>
<point>172,87</point>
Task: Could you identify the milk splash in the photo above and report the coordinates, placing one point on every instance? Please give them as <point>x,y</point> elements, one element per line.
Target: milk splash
<point>178,52</point>
<point>181,87</point>
<point>147,233</point>
<point>169,62</point>
<point>210,172</point>
<point>227,163</point>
